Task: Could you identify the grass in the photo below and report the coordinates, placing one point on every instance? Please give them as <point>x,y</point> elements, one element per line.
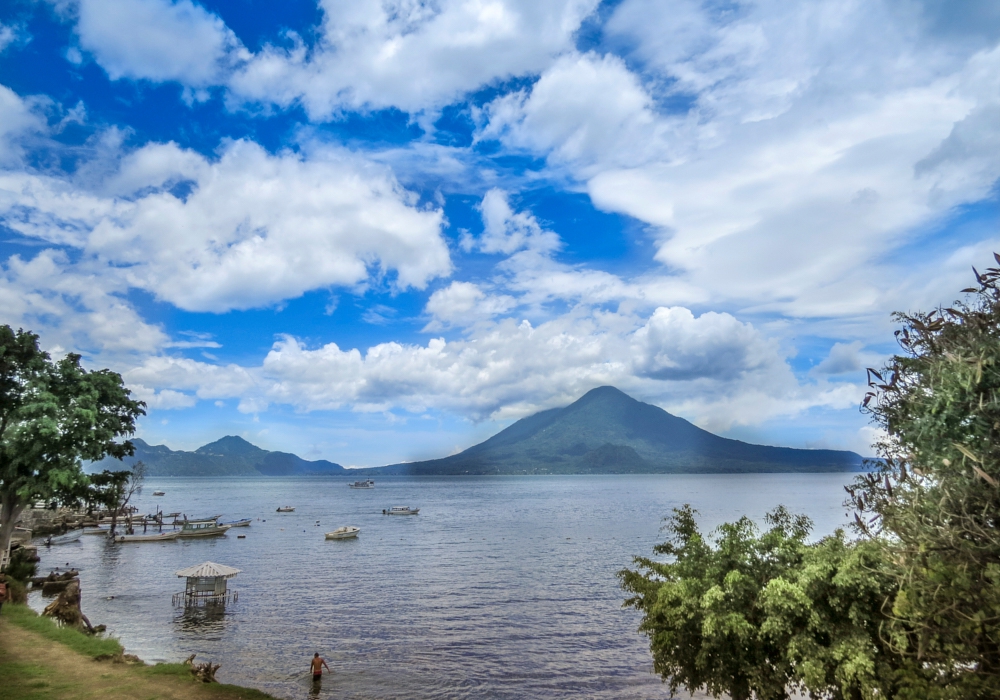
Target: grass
<point>27,679</point>
<point>23,616</point>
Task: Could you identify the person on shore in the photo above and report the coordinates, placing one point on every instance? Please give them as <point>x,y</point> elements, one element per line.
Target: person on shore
<point>3,591</point>
<point>317,667</point>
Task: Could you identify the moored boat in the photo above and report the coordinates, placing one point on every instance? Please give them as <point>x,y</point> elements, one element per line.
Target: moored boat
<point>64,539</point>
<point>202,528</point>
<point>159,493</point>
<point>286,509</point>
<point>343,533</point>
<point>366,484</point>
<point>245,522</point>
<point>401,510</point>
<point>154,537</point>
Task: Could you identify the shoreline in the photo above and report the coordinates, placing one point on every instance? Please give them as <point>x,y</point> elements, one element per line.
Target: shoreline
<point>42,661</point>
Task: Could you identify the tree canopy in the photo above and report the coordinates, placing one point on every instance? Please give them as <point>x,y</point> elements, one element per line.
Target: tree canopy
<point>910,607</point>
<point>53,414</point>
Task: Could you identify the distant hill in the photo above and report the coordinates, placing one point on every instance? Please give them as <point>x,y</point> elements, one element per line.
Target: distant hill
<point>230,456</point>
<point>608,432</point>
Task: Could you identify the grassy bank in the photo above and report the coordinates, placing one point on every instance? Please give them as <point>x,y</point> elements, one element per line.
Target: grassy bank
<point>41,661</point>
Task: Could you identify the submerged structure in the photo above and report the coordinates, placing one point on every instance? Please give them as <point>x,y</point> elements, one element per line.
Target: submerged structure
<point>206,584</point>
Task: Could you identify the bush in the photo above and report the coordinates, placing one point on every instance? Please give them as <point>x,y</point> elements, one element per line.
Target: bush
<point>21,566</point>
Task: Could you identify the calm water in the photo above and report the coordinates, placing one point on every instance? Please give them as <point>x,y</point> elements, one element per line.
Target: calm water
<point>502,587</point>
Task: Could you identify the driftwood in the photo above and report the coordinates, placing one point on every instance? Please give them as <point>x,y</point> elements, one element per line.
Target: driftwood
<point>66,608</point>
<point>203,672</point>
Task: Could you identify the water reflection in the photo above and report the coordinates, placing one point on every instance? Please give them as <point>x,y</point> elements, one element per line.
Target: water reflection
<point>205,618</point>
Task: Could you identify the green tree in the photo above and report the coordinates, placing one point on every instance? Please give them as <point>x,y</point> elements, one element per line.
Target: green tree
<point>114,489</point>
<point>53,414</point>
<point>757,614</point>
<point>933,501</point>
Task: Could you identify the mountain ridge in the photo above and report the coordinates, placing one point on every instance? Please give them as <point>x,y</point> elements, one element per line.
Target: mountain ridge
<point>603,432</point>
<point>608,431</point>
<point>228,456</point>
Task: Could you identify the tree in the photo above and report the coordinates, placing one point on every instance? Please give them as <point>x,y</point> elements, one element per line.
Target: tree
<point>52,416</point>
<point>933,500</point>
<point>754,615</point>
<point>114,489</point>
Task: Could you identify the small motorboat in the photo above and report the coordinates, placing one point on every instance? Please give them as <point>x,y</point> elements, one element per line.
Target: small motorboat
<point>286,509</point>
<point>245,522</point>
<point>202,528</point>
<point>366,484</point>
<point>159,493</point>
<point>401,510</point>
<point>97,530</point>
<point>155,537</point>
<point>343,533</point>
<point>72,536</point>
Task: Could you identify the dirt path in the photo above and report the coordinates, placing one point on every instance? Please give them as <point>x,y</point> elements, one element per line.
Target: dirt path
<point>35,668</point>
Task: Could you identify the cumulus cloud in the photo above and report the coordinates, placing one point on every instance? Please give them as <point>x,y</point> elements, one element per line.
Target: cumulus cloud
<point>244,230</point>
<point>511,368</point>
<point>463,304</point>
<point>158,40</point>
<point>413,56</point>
<point>780,152</point>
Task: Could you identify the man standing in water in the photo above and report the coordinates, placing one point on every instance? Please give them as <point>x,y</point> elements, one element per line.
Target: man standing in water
<point>317,667</point>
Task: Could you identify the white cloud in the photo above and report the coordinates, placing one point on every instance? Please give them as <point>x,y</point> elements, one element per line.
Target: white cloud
<point>414,56</point>
<point>464,304</point>
<point>158,40</point>
<point>505,231</point>
<point>17,119</point>
<point>781,152</point>
<point>710,368</point>
<point>245,230</point>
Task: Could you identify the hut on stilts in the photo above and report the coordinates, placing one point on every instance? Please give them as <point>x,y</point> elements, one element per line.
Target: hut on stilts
<point>206,584</point>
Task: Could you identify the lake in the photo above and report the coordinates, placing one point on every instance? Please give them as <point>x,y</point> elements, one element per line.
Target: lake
<point>502,587</point>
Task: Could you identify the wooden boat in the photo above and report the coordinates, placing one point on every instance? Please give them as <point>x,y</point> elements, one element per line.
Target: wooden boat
<point>286,509</point>
<point>240,523</point>
<point>154,537</point>
<point>98,530</point>
<point>343,533</point>
<point>64,539</point>
<point>401,510</point>
<point>366,484</point>
<point>202,528</point>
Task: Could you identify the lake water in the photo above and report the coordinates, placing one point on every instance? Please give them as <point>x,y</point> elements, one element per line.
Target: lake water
<point>502,587</point>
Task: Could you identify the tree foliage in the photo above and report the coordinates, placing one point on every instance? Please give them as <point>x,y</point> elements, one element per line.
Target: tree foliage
<point>910,608</point>
<point>933,500</point>
<point>53,414</point>
<point>756,614</point>
<point>113,490</point>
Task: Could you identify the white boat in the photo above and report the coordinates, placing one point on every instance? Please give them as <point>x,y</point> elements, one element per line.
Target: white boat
<point>64,539</point>
<point>286,509</point>
<point>343,533</point>
<point>366,484</point>
<point>202,528</point>
<point>97,530</point>
<point>401,510</point>
<point>154,537</point>
<point>245,522</point>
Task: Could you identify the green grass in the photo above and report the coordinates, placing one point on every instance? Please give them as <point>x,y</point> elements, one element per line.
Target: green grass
<point>23,616</point>
<point>221,690</point>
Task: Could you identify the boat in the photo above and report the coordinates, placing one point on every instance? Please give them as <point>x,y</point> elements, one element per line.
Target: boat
<point>343,533</point>
<point>159,493</point>
<point>97,530</point>
<point>286,509</point>
<point>154,537</point>
<point>239,523</point>
<point>202,528</point>
<point>64,539</point>
<point>366,484</point>
<point>401,510</point>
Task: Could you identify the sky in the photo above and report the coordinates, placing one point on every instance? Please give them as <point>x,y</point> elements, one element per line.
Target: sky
<point>374,232</point>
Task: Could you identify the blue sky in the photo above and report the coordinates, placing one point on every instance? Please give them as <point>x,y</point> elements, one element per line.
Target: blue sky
<point>382,231</point>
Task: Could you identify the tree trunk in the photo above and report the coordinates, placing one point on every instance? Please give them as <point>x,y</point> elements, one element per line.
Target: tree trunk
<point>12,509</point>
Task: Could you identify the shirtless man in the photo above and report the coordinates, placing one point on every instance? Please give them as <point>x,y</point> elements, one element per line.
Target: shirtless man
<point>317,667</point>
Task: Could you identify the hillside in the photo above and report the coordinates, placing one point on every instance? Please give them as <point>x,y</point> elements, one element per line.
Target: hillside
<point>229,456</point>
<point>608,432</point>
